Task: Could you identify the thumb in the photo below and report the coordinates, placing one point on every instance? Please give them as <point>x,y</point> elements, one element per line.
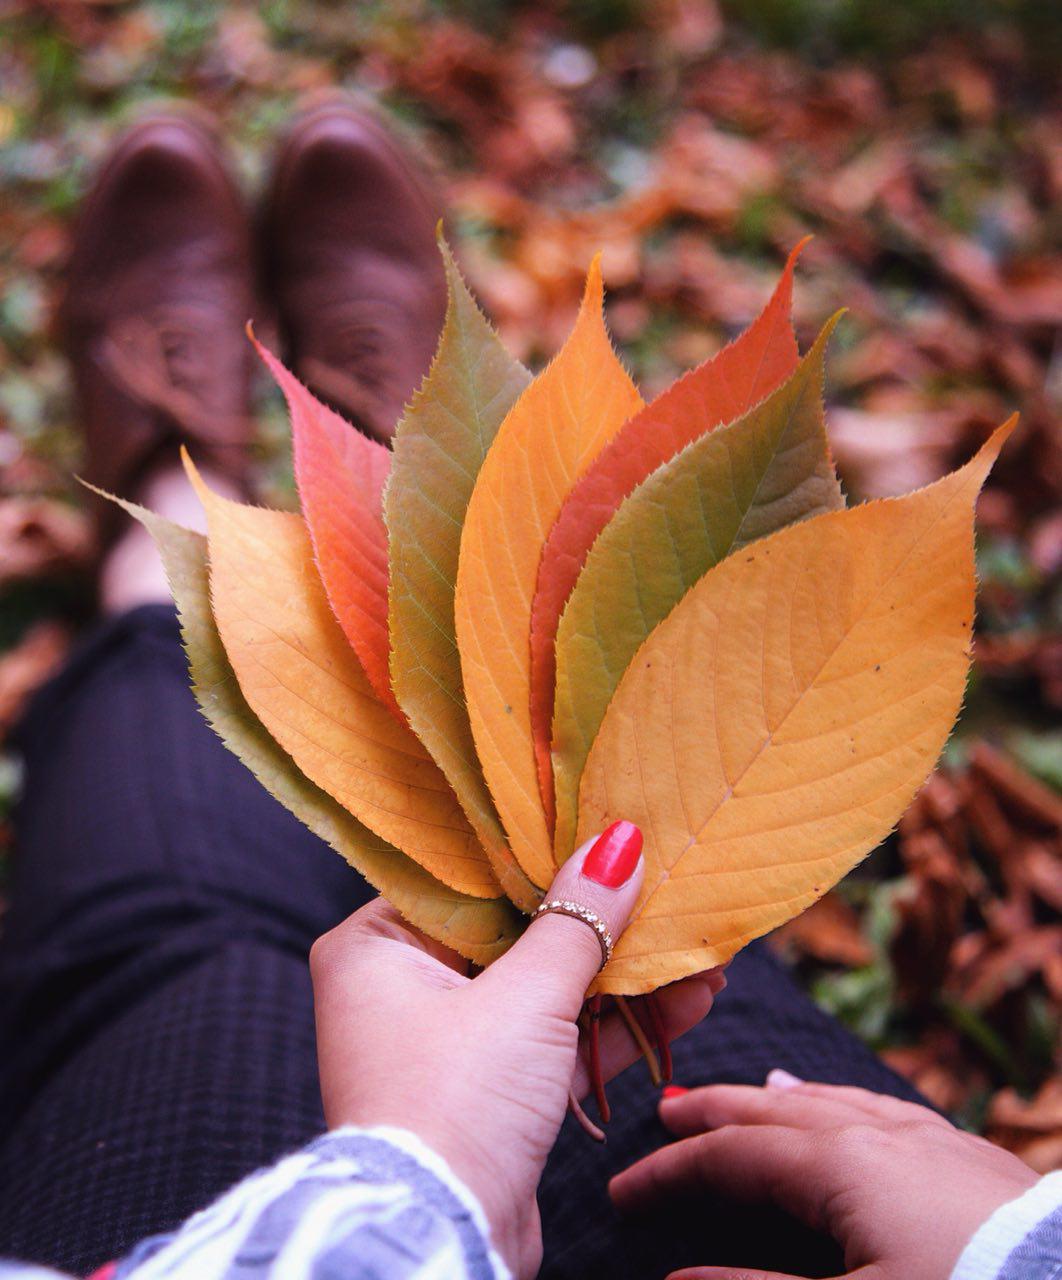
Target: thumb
<point>559,956</point>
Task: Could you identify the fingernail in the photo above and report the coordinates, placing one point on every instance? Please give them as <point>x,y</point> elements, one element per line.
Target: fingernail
<point>779,1079</point>
<point>673,1091</point>
<point>614,855</point>
<point>716,983</point>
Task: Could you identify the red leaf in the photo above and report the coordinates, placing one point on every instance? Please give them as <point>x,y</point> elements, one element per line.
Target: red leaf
<point>341,475</point>
<point>718,391</point>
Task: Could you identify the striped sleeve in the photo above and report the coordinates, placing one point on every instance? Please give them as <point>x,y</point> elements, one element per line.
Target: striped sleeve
<point>1022,1240</point>
<point>366,1202</point>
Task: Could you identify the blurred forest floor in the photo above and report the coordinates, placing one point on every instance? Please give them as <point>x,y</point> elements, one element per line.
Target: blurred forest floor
<point>920,143</point>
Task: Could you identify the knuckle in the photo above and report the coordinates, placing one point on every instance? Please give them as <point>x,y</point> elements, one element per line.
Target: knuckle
<point>560,1034</point>
<point>918,1130</point>
<point>326,954</point>
<point>722,1135</point>
<point>320,954</point>
<point>860,1145</point>
<point>691,1155</point>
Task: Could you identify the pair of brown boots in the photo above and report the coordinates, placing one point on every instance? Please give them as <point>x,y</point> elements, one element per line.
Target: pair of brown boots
<point>169,264</point>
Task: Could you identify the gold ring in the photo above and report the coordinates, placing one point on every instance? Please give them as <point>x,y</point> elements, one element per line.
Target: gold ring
<point>564,907</point>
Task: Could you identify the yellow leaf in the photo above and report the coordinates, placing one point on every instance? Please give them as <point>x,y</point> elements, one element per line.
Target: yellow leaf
<point>551,435</point>
<point>478,928</point>
<point>304,682</point>
<point>741,481</point>
<point>772,730</point>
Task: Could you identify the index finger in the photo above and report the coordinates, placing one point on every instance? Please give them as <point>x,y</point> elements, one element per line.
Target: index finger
<point>715,1105</point>
<point>378,920</point>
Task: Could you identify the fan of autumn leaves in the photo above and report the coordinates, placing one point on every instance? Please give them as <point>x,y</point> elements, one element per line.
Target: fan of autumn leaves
<point>552,606</point>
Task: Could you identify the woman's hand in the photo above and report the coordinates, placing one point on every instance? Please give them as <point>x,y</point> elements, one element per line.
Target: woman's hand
<point>899,1187</point>
<point>481,1068</point>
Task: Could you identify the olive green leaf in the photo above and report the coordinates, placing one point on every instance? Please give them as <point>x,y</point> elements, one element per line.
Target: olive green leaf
<point>767,470</point>
<point>439,447</point>
<point>479,929</point>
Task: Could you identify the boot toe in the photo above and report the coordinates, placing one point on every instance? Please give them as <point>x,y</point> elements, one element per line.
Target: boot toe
<point>165,182</point>
<point>340,165</point>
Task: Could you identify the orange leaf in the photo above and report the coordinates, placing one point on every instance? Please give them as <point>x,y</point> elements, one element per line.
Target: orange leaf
<point>303,681</point>
<point>772,730</point>
<point>341,475</point>
<point>718,391</point>
<point>741,482</point>
<point>550,437</point>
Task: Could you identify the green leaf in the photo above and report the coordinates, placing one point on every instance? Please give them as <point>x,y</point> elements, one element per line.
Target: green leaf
<point>479,929</point>
<point>767,470</point>
<point>439,447</point>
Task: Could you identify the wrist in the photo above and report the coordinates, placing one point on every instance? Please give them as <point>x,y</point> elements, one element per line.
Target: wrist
<point>1003,1231</point>
<point>443,1173</point>
<point>452,1145</point>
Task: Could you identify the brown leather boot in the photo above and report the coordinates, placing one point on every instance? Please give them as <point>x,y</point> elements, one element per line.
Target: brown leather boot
<point>160,286</point>
<point>351,259</point>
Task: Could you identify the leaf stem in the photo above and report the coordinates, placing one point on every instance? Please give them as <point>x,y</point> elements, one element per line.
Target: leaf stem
<point>585,1123</point>
<point>663,1045</point>
<point>596,1079</point>
<point>647,1051</point>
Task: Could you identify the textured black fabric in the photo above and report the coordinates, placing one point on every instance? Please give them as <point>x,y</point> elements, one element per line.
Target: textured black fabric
<point>156,1024</point>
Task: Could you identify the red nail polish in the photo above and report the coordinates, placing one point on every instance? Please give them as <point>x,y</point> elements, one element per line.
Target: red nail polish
<point>614,855</point>
<point>673,1091</point>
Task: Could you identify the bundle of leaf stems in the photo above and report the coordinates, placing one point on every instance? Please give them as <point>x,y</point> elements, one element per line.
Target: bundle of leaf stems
<point>652,1043</point>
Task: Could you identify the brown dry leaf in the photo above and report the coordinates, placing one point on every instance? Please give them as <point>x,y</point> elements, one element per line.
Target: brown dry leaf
<point>929,915</point>
<point>1031,1128</point>
<point>1030,799</point>
<point>987,968</point>
<point>939,1068</point>
<point>829,930</point>
<point>880,455</point>
<point>25,668</point>
<point>39,536</point>
<point>712,175</point>
<point>515,121</point>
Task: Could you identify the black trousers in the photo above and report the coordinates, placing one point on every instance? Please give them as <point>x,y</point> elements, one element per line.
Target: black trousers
<point>156,1023</point>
